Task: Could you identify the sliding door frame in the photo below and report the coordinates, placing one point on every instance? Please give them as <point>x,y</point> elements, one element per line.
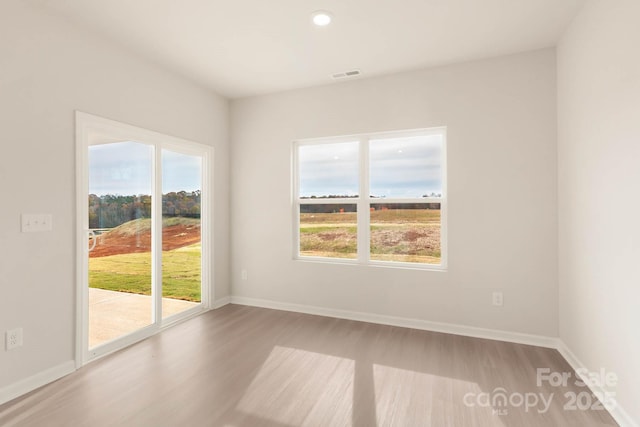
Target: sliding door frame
<point>94,130</point>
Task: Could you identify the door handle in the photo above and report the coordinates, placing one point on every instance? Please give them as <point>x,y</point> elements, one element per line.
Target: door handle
<point>93,239</point>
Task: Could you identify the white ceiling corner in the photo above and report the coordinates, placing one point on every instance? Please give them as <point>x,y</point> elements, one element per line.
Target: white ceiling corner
<point>246,47</point>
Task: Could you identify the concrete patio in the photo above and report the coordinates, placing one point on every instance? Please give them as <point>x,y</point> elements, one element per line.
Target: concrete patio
<point>113,314</point>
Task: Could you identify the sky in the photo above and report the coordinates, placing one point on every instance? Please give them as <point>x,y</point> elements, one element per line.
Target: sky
<point>125,168</point>
<point>399,168</point>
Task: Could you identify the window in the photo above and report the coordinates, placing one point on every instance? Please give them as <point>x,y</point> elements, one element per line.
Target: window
<point>372,199</point>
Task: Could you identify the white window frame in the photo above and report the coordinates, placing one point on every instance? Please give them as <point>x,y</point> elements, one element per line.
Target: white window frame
<point>364,201</point>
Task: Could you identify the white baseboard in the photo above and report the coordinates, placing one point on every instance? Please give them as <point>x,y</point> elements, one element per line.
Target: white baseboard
<point>448,328</point>
<point>618,413</point>
<point>221,302</point>
<point>40,379</point>
<point>33,382</point>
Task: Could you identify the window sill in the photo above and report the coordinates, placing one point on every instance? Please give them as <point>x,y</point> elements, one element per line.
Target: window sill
<point>374,264</point>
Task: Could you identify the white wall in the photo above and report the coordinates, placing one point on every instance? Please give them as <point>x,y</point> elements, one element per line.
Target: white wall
<point>501,119</point>
<point>48,69</point>
<point>599,192</point>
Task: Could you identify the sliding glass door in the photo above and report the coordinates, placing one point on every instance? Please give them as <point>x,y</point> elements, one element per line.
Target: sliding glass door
<point>143,233</point>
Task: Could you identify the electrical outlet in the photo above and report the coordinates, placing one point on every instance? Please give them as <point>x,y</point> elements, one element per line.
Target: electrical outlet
<point>13,338</point>
<point>498,299</point>
<point>244,274</point>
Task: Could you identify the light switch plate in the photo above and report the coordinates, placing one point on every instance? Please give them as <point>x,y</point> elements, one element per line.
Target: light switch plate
<point>32,223</point>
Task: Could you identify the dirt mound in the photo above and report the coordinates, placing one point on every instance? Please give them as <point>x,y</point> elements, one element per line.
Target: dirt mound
<point>135,237</point>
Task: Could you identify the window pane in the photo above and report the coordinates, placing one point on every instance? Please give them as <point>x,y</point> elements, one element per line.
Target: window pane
<point>328,170</point>
<point>406,167</point>
<point>120,302</point>
<point>329,230</point>
<point>181,232</point>
<point>406,232</point>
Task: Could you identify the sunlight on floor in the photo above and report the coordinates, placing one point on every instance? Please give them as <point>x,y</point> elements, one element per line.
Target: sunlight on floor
<point>405,397</point>
<point>299,387</point>
<point>295,385</point>
<point>400,392</point>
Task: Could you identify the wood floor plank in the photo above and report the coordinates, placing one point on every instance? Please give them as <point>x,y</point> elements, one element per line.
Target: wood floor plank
<point>245,366</point>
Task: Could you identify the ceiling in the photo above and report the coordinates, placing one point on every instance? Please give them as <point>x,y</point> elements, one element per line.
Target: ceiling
<point>247,47</point>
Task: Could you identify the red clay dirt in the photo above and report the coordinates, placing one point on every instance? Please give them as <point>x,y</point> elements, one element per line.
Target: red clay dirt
<point>173,237</point>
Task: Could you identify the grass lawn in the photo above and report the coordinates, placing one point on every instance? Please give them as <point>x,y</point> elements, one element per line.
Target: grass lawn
<point>406,235</point>
<point>132,273</point>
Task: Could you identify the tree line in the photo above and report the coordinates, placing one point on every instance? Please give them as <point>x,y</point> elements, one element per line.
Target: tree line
<point>111,210</point>
<point>352,207</point>
<point>344,196</point>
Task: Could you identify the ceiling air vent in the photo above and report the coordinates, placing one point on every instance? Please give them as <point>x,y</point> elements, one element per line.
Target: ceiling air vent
<point>346,74</point>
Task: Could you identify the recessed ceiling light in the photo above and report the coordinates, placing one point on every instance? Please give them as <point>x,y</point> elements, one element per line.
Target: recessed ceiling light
<point>321,18</point>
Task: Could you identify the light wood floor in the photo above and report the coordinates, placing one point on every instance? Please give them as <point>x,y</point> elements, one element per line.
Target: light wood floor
<point>243,366</point>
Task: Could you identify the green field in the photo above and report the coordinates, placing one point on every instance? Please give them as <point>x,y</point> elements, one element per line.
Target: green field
<point>406,235</point>
<point>132,273</point>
